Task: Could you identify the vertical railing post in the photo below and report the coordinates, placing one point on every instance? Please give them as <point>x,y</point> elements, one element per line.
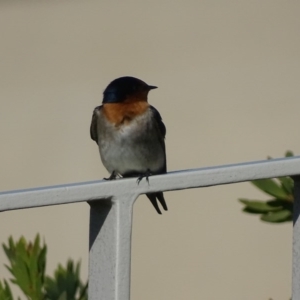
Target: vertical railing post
<point>110,249</point>
<point>296,240</point>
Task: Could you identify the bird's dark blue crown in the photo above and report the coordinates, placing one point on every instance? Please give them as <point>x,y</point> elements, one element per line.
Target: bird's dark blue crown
<point>120,88</point>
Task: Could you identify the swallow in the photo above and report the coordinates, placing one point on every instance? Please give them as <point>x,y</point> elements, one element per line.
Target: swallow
<point>130,133</point>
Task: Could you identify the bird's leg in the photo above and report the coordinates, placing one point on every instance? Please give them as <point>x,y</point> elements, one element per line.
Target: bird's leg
<point>146,174</point>
<point>112,176</point>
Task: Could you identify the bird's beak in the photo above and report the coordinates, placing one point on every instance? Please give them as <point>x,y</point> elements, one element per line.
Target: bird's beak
<point>152,87</point>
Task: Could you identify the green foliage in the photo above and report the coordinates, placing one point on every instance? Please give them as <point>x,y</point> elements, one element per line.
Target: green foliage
<point>66,284</point>
<point>5,292</point>
<point>280,207</point>
<point>27,265</point>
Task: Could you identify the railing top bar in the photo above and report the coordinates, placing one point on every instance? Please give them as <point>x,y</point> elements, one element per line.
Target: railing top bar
<point>209,176</point>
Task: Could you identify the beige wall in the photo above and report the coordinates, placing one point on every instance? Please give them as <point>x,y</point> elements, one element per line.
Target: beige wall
<point>228,77</point>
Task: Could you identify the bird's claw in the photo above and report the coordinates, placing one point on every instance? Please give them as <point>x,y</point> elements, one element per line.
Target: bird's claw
<point>112,176</point>
<point>144,175</point>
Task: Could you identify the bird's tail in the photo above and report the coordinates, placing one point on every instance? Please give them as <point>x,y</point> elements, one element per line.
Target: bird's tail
<point>153,197</point>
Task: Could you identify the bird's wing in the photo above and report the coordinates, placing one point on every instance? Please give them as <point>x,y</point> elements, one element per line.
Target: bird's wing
<point>159,122</point>
<point>94,125</point>
<point>162,130</point>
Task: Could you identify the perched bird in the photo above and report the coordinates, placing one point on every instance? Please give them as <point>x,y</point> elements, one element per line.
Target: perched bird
<point>130,133</point>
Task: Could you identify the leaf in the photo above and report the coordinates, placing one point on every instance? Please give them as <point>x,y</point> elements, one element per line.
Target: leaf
<point>83,292</point>
<point>277,216</point>
<point>271,187</point>
<point>63,296</point>
<point>66,283</point>
<point>287,184</point>
<point>5,291</point>
<point>27,265</point>
<point>289,153</point>
<point>259,206</point>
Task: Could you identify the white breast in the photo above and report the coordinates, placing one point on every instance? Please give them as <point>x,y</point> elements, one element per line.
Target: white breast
<point>133,147</point>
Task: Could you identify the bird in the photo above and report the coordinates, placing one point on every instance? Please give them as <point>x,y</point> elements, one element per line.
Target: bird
<point>130,133</point>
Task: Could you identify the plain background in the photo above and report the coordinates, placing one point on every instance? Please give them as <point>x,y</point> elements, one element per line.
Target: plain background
<point>228,75</point>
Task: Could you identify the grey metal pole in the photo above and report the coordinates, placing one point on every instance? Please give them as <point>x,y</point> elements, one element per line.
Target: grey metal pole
<point>110,249</point>
<point>296,240</point>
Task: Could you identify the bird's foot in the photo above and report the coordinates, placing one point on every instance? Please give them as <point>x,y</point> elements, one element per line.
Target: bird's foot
<point>144,175</point>
<point>112,176</point>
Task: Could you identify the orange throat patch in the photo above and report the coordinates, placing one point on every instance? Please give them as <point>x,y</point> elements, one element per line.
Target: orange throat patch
<point>124,112</point>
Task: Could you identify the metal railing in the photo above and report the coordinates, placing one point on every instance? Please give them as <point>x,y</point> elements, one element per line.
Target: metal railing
<point>112,202</point>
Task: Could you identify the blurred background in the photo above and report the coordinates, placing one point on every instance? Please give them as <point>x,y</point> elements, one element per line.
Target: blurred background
<point>228,75</point>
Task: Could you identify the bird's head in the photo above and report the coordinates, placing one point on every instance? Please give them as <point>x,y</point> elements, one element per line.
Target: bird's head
<point>126,89</point>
